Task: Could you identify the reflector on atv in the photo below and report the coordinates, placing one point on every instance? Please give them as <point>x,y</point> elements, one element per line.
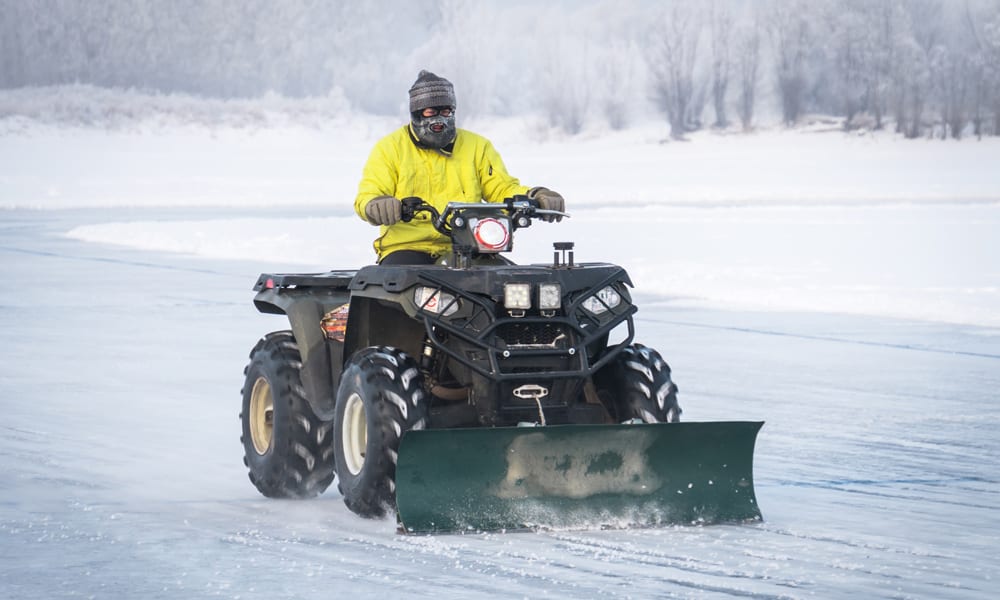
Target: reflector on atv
<point>573,476</point>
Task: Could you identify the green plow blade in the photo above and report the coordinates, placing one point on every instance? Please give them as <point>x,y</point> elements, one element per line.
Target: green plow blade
<point>576,476</point>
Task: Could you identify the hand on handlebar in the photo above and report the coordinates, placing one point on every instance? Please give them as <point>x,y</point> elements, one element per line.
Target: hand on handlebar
<point>412,205</point>
<point>548,200</point>
<point>383,210</point>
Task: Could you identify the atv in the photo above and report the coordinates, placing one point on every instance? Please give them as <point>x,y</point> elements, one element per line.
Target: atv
<point>478,394</point>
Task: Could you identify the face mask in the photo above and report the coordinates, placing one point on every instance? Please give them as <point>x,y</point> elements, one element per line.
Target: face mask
<point>434,132</point>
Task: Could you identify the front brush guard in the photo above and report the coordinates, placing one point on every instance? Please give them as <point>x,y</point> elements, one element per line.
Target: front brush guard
<point>584,334</point>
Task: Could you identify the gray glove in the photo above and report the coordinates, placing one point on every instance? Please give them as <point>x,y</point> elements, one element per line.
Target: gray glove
<point>383,210</point>
<point>548,200</point>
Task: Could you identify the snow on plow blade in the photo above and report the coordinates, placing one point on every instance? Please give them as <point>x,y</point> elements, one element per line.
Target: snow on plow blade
<point>576,476</point>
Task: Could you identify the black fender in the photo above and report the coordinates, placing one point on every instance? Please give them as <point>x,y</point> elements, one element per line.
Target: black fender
<point>322,359</point>
<point>378,321</point>
<point>317,375</point>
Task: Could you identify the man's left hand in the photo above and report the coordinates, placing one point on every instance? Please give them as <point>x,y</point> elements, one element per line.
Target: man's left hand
<point>548,200</point>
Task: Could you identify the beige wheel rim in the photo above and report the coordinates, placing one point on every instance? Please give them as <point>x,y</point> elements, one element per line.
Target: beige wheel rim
<point>261,416</point>
<point>354,430</point>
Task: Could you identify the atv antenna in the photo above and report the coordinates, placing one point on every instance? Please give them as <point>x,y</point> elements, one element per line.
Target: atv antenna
<point>563,255</point>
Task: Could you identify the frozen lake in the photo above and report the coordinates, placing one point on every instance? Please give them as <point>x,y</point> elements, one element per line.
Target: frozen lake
<point>876,468</point>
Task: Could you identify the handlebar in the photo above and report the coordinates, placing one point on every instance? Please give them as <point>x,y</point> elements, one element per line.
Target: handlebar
<point>477,228</point>
<point>412,205</point>
<point>520,209</point>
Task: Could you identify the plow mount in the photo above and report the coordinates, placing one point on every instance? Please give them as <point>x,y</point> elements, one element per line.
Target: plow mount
<point>576,476</point>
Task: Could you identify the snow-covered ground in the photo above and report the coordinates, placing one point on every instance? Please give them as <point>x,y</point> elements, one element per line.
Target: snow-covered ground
<point>780,220</point>
<point>845,289</point>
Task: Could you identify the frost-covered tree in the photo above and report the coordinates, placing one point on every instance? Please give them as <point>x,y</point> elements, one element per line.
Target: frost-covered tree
<point>982,21</point>
<point>721,29</point>
<point>852,27</point>
<point>671,56</point>
<point>950,87</point>
<point>565,84</point>
<point>12,45</point>
<point>747,65</point>
<point>614,81</point>
<point>618,72</point>
<point>991,53</point>
<point>919,36</point>
<point>790,35</point>
<point>883,27</point>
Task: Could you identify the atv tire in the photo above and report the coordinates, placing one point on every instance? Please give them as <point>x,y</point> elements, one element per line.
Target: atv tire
<point>639,385</point>
<point>381,396</point>
<point>288,449</point>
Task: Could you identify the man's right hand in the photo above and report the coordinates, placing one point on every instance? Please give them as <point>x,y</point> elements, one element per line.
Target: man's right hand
<point>383,210</point>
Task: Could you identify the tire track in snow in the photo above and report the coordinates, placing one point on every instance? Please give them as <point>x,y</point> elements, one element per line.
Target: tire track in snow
<point>441,565</point>
<point>598,565</point>
<point>628,554</point>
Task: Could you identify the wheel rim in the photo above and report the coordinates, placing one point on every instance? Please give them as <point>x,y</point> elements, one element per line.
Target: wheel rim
<point>354,431</point>
<point>261,416</point>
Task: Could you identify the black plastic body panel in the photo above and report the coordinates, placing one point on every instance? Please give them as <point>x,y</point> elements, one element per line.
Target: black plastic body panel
<point>305,298</point>
<point>490,349</point>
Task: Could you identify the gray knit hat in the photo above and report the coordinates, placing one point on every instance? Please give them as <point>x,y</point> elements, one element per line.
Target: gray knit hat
<point>429,90</point>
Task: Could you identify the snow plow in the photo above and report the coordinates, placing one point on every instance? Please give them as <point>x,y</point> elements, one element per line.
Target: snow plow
<point>477,394</point>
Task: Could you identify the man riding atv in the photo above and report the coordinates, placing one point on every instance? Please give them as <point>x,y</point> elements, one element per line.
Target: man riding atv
<point>432,159</point>
<point>475,393</point>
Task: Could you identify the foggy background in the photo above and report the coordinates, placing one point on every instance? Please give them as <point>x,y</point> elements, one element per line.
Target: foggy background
<point>919,67</point>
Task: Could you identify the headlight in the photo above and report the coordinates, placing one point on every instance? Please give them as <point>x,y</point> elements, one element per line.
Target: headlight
<point>549,296</point>
<point>435,301</point>
<point>601,302</point>
<point>491,234</point>
<point>517,296</point>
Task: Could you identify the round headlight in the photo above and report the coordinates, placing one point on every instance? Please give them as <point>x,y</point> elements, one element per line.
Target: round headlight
<point>491,234</point>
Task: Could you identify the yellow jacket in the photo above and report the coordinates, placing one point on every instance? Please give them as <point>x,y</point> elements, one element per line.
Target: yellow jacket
<point>472,172</point>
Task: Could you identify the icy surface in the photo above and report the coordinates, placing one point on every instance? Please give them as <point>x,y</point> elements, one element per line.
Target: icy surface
<point>126,322</point>
<point>876,470</point>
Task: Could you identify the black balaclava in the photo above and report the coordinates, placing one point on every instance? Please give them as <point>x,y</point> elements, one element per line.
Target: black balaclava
<point>431,91</point>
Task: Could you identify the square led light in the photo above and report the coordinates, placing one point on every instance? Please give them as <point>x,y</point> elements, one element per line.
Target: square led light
<point>517,296</point>
<point>549,296</point>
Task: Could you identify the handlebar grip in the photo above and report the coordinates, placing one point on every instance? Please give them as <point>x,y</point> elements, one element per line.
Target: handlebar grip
<point>410,206</point>
<point>521,199</point>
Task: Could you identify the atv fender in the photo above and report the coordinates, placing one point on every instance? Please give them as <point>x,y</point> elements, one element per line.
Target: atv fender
<point>304,317</point>
<point>321,359</point>
<point>374,323</point>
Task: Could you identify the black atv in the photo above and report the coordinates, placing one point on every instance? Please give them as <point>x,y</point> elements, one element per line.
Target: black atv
<point>390,366</point>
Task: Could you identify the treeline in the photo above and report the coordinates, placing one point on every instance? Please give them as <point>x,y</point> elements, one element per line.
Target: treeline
<point>215,48</point>
<point>924,67</point>
<point>921,67</point>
